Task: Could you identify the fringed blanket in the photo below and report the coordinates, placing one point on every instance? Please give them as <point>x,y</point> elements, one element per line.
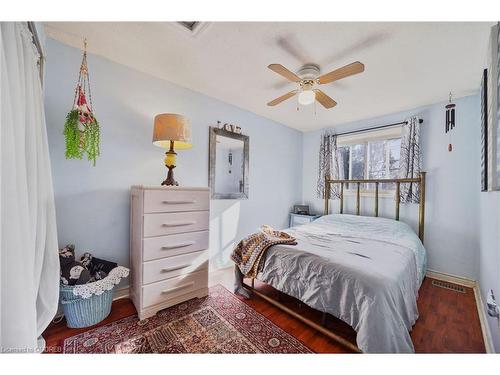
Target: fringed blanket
<point>248,253</point>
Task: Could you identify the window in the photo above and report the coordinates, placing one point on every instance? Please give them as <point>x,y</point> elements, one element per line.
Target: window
<point>370,159</point>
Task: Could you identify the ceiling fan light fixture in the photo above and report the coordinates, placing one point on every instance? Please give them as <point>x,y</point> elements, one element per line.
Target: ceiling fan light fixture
<point>307,97</point>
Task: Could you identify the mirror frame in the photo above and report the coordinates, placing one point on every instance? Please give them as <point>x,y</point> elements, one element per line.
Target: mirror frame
<point>214,132</point>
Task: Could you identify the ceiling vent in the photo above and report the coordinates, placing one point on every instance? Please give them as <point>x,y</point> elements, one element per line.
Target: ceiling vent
<point>190,25</point>
<point>193,28</point>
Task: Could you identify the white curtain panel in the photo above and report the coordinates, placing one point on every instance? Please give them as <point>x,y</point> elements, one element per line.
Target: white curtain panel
<point>29,253</point>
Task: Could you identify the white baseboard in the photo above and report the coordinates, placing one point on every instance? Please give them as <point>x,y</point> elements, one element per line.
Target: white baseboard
<point>469,283</point>
<point>121,293</point>
<point>483,319</point>
<point>225,268</point>
<point>485,328</point>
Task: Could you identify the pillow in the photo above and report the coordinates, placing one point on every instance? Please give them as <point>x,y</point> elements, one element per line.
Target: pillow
<point>97,264</point>
<point>72,271</point>
<point>67,255</point>
<point>86,260</point>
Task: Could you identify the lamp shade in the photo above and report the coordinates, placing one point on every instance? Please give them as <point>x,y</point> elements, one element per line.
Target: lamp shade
<point>172,127</point>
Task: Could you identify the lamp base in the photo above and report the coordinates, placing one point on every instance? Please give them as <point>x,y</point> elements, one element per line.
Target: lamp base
<point>170,181</point>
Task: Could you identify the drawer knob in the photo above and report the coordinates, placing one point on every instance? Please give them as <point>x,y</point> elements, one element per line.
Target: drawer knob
<point>175,268</point>
<point>185,244</point>
<point>179,224</point>
<point>178,288</point>
<point>180,202</point>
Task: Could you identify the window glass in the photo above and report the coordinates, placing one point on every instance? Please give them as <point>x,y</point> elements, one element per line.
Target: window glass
<point>358,162</point>
<point>370,160</point>
<point>344,156</point>
<point>377,161</point>
<point>394,152</point>
<point>394,146</point>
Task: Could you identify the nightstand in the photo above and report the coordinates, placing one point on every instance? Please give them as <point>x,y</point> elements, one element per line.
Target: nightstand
<point>297,219</point>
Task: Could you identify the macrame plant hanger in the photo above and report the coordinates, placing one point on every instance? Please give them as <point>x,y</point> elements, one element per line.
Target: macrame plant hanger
<point>81,129</point>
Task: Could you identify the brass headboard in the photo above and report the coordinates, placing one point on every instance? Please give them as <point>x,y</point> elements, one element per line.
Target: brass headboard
<point>398,181</point>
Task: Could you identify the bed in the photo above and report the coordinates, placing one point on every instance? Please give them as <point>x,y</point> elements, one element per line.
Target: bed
<point>363,270</point>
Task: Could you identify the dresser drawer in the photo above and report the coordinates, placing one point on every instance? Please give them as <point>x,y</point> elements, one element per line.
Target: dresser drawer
<point>167,268</point>
<point>162,291</point>
<point>174,244</point>
<point>175,222</point>
<point>175,201</point>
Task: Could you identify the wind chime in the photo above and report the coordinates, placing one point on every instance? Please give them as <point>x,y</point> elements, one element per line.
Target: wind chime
<point>81,129</point>
<point>450,121</point>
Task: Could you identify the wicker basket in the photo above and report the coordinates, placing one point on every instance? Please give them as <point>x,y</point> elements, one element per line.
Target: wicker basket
<point>84,312</point>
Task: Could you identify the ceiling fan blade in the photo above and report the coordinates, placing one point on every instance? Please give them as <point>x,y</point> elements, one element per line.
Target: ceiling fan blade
<point>281,70</point>
<point>345,71</point>
<point>282,98</point>
<point>324,99</point>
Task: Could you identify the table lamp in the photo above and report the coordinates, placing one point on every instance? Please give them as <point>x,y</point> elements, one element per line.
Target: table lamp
<point>171,131</point>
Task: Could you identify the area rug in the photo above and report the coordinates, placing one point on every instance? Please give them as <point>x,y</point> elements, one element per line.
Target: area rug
<point>218,323</point>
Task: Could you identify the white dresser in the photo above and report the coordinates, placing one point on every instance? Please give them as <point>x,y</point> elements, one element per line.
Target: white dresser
<point>169,246</point>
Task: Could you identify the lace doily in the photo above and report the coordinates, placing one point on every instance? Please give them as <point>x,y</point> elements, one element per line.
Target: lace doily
<point>100,286</point>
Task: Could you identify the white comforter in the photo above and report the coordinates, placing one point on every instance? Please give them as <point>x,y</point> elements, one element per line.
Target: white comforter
<point>363,270</point>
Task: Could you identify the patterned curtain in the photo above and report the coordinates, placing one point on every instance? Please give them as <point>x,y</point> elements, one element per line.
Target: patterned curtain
<point>329,161</point>
<point>410,162</point>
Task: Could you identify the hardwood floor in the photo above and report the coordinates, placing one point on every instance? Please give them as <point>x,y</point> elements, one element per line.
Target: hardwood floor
<point>448,322</point>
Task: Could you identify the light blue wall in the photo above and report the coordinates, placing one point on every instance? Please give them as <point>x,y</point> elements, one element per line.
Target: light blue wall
<point>489,260</point>
<point>489,206</point>
<point>93,202</point>
<point>451,230</point>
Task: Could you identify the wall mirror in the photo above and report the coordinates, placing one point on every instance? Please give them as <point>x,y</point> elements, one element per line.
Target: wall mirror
<point>228,164</point>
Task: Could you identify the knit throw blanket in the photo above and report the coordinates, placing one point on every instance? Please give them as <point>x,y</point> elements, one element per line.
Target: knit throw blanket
<point>248,253</point>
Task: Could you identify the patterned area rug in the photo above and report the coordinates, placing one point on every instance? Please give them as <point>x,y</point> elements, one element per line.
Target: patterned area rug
<point>218,323</point>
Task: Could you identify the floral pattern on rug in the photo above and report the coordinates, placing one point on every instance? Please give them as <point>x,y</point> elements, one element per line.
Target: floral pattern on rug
<point>218,323</point>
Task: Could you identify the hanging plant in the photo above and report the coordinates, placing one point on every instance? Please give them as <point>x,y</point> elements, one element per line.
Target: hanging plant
<point>81,129</point>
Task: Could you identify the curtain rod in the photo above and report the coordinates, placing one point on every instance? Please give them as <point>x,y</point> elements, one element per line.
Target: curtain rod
<point>377,127</point>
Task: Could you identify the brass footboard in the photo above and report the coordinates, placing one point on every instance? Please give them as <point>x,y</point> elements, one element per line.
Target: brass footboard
<point>304,320</point>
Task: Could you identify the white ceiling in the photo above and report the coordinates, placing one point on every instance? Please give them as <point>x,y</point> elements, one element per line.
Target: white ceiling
<point>406,64</point>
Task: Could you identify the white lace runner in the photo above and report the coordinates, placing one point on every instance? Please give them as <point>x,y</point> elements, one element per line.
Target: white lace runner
<point>100,286</point>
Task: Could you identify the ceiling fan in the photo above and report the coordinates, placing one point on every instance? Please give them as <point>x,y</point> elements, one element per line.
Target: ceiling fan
<point>307,78</point>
